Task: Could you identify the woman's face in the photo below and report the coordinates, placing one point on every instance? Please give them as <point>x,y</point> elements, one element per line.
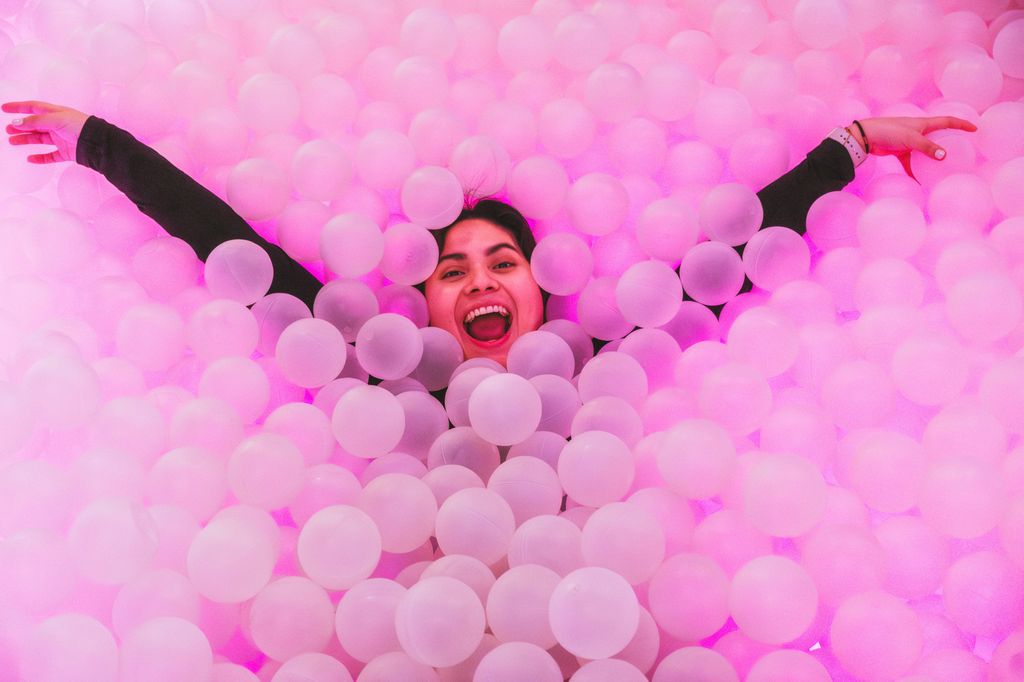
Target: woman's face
<point>483,291</point>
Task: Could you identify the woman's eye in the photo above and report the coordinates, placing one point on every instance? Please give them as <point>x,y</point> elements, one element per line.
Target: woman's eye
<point>505,265</point>
<point>451,273</point>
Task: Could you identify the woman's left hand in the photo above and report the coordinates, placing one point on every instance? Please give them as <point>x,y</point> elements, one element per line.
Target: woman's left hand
<point>899,136</point>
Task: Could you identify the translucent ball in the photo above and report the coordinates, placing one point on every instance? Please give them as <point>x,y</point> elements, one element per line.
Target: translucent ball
<point>730,213</point>
<point>441,355</point>
<point>231,559</point>
<point>406,301</point>
<point>886,471</point>
<point>320,170</point>
<point>419,83</point>
<point>638,146</point>
<point>268,102</point>
<point>524,43</point>
<point>916,556</point>
<point>473,572</point>
<point>512,126</point>
<point>775,256</point>
<point>736,396</point>
<point>328,102</point>
<point>403,508</point>
<point>368,421</point>
<point>257,189</point>
<point>624,538</point>
<point>929,370</point>
<point>857,394</point>
<point>338,547</point>
<point>239,270</point>
<point>960,498</point>
<point>773,599</point>
<point>290,616</point>
<point>973,79</point>
<point>613,374</point>
<point>561,264</point>
<point>999,385</point>
<point>447,479</point>
<point>1007,51</point>
<point>976,315</point>
<point>697,459</point>
<point>1009,176</point>
<point>580,42</point>
<point>189,478</point>
<point>670,91</point>
<point>529,485</point>
<point>738,25</point>
<point>69,647</point>
<point>566,128</point>
<point>481,165</point>
<point>365,618</point>
<point>222,328</point>
<point>351,245</point>
<point>597,204</point>
<point>593,612</point>
<point>389,346</point>
<point>312,665</point>
<point>410,254</point>
<point>475,522</point>
<point>310,352</point>
<point>165,266</point>
<point>888,74</point>
<point>783,495</point>
<point>504,409</point>
<point>439,621</point>
<point>518,658</point>
<point>538,187</point>
<point>666,229</point>
<point>240,382</point>
<point>425,420</point>
<point>517,605</point>
<point>540,352</point>
<point>598,312</point>
<point>608,670</point>
<point>462,446</point>
<point>112,540</point>
<point>692,662</point>
<point>266,471</point>
<point>384,158</point>
<point>397,665</point>
<point>876,635</point>
<point>432,197</point>
<point>165,650</point>
<point>649,293</point>
<point>998,138</point>
<point>560,401</point>
<point>830,551</point>
<point>764,340</point>
<point>711,273</point>
<point>64,392</point>
<point>788,663</point>
<point>613,92</point>
<point>596,468</point>
<point>707,609</point>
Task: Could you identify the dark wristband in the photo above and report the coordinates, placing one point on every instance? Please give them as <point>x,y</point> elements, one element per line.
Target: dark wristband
<point>863,135</point>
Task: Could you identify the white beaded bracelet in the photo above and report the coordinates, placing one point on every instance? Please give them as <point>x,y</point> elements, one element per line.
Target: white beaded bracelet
<point>843,137</point>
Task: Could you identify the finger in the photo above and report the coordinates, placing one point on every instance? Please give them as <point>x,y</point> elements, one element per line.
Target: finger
<point>947,122</point>
<point>38,122</point>
<point>905,162</point>
<point>31,138</point>
<point>50,157</point>
<point>926,146</point>
<point>29,107</point>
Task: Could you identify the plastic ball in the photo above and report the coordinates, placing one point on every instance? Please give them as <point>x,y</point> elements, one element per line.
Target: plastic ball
<point>649,293</point>
<point>624,538</point>
<point>365,618</point>
<point>240,382</point>
<point>876,635</point>
<point>596,468</point>
<point>961,498</point>
<point>338,547</point>
<point>524,43</point>
<point>518,658</point>
<point>788,663</point>
<point>984,307</point>
<point>462,446</point>
<point>706,587</point>
<point>783,495</point>
<point>764,340</point>
<point>351,245</point>
<point>232,557</point>
<point>432,197</point>
<point>447,479</point>
<point>419,82</point>
<point>916,556</point>
<point>513,126</point>
<point>368,421</point>
<point>165,266</point>
<point>597,204</point>
<point>310,352</point>
<point>711,273</point>
<point>736,396</point>
<point>266,471</point>
<point>666,229</point>
<point>538,187</point>
<point>973,79</point>
<point>696,459</point>
<point>291,616</point>
<point>481,166</point>
<point>730,214</point>
<point>561,264</point>
<point>775,256</point>
<point>517,605</point>
<point>189,478</point>
<point>166,649</point>
<point>441,354</point>
<point>843,560</point>
<point>580,42</point>
<point>403,509</point>
<point>599,314</point>
<point>858,393</point>
<point>613,374</point>
<point>222,328</point>
<point>239,270</point>
<point>566,128</point>
<point>151,336</point>
<point>389,346</point>
<point>530,486</point>
<point>593,612</point>
<point>112,541</point>
<point>997,137</point>
<point>69,648</point>
<point>439,621</point>
<point>773,599</point>
<point>613,92</point>
<point>475,522</point>
<point>560,401</point>
<point>638,146</point>
<point>312,665</point>
<point>320,170</point>
<point>540,352</point>
<point>384,158</point>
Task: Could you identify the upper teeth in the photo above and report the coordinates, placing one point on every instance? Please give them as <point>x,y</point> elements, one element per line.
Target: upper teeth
<point>473,314</point>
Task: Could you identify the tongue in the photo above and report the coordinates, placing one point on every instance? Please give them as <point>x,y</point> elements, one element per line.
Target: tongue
<point>487,327</point>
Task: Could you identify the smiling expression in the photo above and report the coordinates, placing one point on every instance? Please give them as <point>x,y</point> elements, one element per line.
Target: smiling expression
<point>481,270</point>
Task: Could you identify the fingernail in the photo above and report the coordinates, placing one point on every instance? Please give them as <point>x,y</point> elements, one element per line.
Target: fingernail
<point>17,121</point>
<point>940,154</point>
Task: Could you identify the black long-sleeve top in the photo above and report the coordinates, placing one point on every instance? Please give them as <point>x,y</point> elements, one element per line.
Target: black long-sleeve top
<point>189,211</point>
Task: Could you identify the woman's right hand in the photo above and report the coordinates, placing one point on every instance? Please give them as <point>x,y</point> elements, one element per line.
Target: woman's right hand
<point>49,124</point>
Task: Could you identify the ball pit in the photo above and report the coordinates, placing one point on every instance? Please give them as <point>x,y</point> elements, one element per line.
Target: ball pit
<point>205,478</point>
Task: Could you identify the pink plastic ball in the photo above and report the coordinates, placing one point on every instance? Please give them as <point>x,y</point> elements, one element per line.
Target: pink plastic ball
<point>69,647</point>
<point>711,273</point>
<point>580,42</point>
<point>239,270</point>
<point>998,138</point>
<point>475,522</point>
<point>624,538</point>
<point>561,264</point>
<point>351,245</point>
<point>517,605</point>
<point>410,254</point>
<point>310,352</point>
<point>365,618</point>
<point>384,158</point>
<point>597,204</point>
<point>696,459</point>
<point>960,498</point>
<point>858,393</point>
<point>439,621</point>
<point>518,658</point>
<point>764,340</point>
<point>670,91</point>
<point>529,485</point>
<point>222,328</point>
<point>550,541</point>
<point>736,396</point>
<point>462,446</point>
<point>524,43</point>
<point>538,187</point>
<point>112,541</point>
<point>232,557</point>
<point>886,471</point>
<point>596,468</point>
<point>368,421</point>
<point>64,392</point>
<point>240,382</point>
<point>984,307</point>
<point>608,670</point>
<point>257,189</point>
<point>788,663</point>
<point>164,650</point>
<point>929,370</point>
<point>706,586</point>
<point>403,509</point>
<point>876,635</point>
<point>504,409</point>
<point>783,495</point>
<point>649,293</point>
<point>697,663</point>
<point>613,92</point>
<point>268,102</point>
<point>338,547</point>
<point>638,146</point>
<point>666,229</point>
<point>916,556</point>
<point>165,266</point>
<point>432,197</point>
<point>481,165</point>
<point>566,128</point>
<point>599,314</point>
<point>312,665</point>
<point>773,599</point>
<point>389,346</point>
<point>844,560</point>
<point>190,478</point>
<point>320,170</point>
<point>731,214</point>
<point>973,79</point>
<point>593,612</point>
<point>291,616</point>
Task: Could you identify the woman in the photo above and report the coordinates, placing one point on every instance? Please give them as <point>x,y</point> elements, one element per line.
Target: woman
<point>482,290</point>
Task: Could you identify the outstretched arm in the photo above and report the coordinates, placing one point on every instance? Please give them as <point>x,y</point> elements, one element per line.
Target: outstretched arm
<point>179,204</point>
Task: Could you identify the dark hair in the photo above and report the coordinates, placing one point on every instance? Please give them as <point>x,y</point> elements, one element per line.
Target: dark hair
<point>501,215</point>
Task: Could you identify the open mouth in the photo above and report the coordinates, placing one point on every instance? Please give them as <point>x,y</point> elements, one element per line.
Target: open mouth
<point>488,325</point>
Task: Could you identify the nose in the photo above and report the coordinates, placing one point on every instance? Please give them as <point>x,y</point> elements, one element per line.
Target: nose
<point>481,279</point>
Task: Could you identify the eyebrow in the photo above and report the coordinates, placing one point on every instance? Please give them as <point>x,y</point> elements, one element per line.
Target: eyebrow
<point>490,251</point>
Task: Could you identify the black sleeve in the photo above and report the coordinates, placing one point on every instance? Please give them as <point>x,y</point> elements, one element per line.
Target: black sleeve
<point>179,204</point>
<point>827,168</point>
